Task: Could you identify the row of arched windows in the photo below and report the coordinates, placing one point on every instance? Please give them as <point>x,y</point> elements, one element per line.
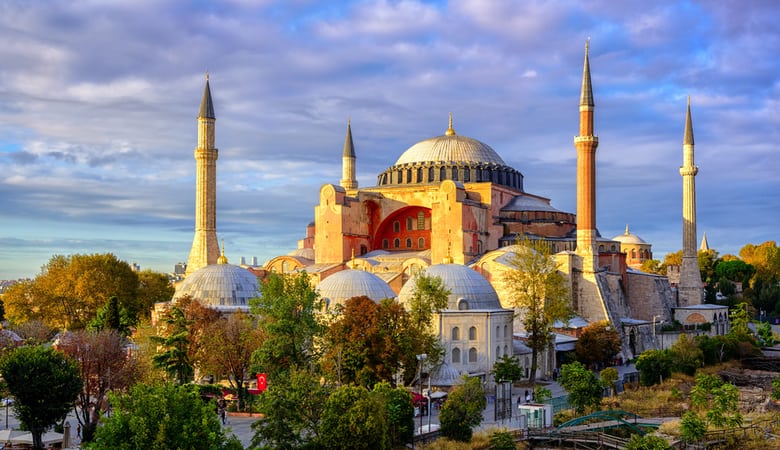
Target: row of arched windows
<point>505,175</point>
<point>456,333</point>
<point>397,243</point>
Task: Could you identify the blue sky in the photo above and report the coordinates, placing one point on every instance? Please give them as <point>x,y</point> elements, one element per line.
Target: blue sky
<point>98,102</point>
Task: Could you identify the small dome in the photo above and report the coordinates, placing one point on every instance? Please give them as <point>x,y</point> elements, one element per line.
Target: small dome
<point>219,285</point>
<point>342,286</point>
<point>629,238</point>
<point>307,253</point>
<point>468,289</point>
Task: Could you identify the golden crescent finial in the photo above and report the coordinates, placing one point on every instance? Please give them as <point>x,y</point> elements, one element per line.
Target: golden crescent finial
<point>222,258</point>
<point>450,131</point>
<point>352,263</point>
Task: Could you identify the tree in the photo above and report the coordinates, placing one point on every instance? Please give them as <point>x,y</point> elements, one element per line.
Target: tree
<point>70,289</point>
<point>716,400</point>
<point>609,377</point>
<point>686,355</point>
<point>291,409</point>
<point>653,266</point>
<point>229,348</point>
<point>400,413</point>
<point>104,365</point>
<point>113,316</point>
<point>44,384</point>
<point>153,287</point>
<point>286,311</point>
<point>540,291</point>
<point>736,270</point>
<point>173,356</point>
<point>463,410</point>
<point>161,417</point>
<point>584,388</point>
<point>502,440</point>
<point>692,427</point>
<point>34,332</point>
<point>354,418</point>
<point>598,344</point>
<point>429,296</point>
<point>654,366</point>
<point>507,368</point>
<point>647,442</point>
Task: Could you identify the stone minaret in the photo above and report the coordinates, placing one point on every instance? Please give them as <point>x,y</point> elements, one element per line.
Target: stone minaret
<point>586,144</point>
<point>690,291</point>
<point>205,248</point>
<point>348,180</point>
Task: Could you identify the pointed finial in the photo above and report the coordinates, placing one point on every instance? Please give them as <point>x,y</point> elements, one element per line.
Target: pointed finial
<point>627,230</point>
<point>352,263</point>
<point>586,94</point>
<point>688,134</point>
<point>222,258</point>
<point>450,131</point>
<point>207,75</point>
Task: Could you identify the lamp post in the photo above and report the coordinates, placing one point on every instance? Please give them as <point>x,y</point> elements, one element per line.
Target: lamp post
<point>421,358</point>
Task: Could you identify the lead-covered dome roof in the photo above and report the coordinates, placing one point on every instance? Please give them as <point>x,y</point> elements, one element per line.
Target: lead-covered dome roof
<point>450,157</point>
<point>629,238</point>
<point>220,286</point>
<point>468,289</point>
<point>342,286</point>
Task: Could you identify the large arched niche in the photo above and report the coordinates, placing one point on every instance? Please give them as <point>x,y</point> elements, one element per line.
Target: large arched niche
<point>409,227</point>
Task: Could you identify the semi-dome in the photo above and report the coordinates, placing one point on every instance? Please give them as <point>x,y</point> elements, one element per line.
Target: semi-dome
<point>342,286</point>
<point>629,238</point>
<point>468,289</point>
<point>219,286</point>
<point>450,157</point>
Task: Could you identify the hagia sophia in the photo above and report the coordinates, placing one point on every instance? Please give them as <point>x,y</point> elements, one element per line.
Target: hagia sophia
<point>450,206</point>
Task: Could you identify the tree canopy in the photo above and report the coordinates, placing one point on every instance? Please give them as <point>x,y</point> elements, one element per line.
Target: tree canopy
<point>541,293</point>
<point>44,384</point>
<point>463,409</point>
<point>598,344</point>
<point>583,386</point>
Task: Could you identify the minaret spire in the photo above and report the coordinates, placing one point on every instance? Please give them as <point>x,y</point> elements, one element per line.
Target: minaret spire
<point>348,159</point>
<point>205,248</point>
<point>690,291</point>
<point>586,144</point>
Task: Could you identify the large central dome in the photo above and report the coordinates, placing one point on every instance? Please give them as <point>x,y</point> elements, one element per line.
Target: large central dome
<point>450,147</point>
<point>450,157</point>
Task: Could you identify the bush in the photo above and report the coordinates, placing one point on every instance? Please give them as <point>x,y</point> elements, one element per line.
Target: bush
<point>692,427</point>
<point>654,366</point>
<point>502,440</point>
<point>647,442</point>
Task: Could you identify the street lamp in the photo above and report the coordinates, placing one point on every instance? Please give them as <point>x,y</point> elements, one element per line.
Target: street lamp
<point>421,358</point>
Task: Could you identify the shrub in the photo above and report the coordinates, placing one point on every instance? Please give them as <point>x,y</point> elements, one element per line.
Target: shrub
<point>502,440</point>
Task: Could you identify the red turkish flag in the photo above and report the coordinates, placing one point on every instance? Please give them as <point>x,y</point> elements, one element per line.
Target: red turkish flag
<point>261,382</point>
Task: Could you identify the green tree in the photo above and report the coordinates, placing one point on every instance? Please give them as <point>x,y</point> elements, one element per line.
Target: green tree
<point>354,418</point>
<point>286,311</point>
<point>229,349</point>
<point>153,287</point>
<point>70,289</point>
<point>162,417</point>
<point>583,386</point>
<point>654,366</point>
<point>463,410</point>
<point>292,407</point>
<point>507,368</point>
<point>502,440</point>
<point>609,377</point>
<point>44,384</point>
<point>598,344</point>
<point>686,355</point>
<point>174,344</point>
<point>104,365</point>
<point>692,427</point>
<point>647,442</point>
<point>540,291</point>
<point>113,316</point>
<point>764,335</point>
<point>400,413</point>
<point>718,401</point>
<point>653,266</point>
<point>429,296</point>
<point>736,270</point>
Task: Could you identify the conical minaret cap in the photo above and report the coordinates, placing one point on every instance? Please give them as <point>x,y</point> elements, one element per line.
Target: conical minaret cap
<point>586,96</point>
<point>349,147</point>
<point>688,137</point>
<point>206,105</point>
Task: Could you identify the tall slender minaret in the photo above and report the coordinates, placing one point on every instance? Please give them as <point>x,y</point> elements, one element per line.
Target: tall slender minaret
<point>348,180</point>
<point>586,144</point>
<point>690,291</point>
<point>205,248</point>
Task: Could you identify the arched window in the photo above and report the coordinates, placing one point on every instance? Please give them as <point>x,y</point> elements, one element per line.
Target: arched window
<point>472,333</point>
<point>506,351</point>
<point>385,243</point>
<point>601,247</point>
<point>419,175</point>
<point>498,351</point>
<point>454,174</point>
<point>397,243</point>
<point>420,220</point>
<point>409,222</point>
<point>421,243</point>
<point>466,174</point>
<point>455,333</point>
<point>408,175</point>
<point>472,355</point>
<point>430,174</point>
<point>456,355</point>
<point>506,332</point>
<point>397,226</point>
<point>633,253</point>
<point>442,174</point>
<point>408,242</point>
<point>498,331</point>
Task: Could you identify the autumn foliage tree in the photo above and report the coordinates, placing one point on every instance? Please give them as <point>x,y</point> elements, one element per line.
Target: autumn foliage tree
<point>598,344</point>
<point>105,364</point>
